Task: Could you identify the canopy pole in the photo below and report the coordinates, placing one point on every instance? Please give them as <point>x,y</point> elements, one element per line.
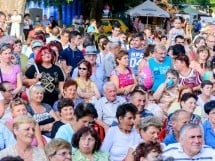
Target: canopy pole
<point>147,20</point>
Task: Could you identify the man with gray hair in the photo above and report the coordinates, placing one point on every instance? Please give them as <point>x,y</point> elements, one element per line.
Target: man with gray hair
<point>190,146</point>
<point>106,106</point>
<point>109,59</point>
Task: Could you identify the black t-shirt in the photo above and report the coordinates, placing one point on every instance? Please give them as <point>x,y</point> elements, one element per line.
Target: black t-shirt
<point>50,81</point>
<point>55,128</point>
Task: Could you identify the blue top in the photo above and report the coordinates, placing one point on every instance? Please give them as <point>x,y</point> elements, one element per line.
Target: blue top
<point>72,57</point>
<point>65,132</point>
<point>209,135</point>
<point>6,137</point>
<point>135,56</point>
<point>91,28</point>
<point>159,70</point>
<point>170,139</point>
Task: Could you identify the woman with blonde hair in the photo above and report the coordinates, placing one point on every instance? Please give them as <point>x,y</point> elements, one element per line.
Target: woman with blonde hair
<point>41,112</point>
<point>58,150</point>
<point>24,130</point>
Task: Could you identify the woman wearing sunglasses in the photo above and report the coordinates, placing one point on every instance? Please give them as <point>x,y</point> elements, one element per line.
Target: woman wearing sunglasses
<point>87,89</point>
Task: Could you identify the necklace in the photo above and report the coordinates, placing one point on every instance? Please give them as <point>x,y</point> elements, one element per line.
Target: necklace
<point>25,154</point>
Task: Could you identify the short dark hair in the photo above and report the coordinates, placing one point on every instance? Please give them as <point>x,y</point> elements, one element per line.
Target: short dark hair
<point>143,149</point>
<point>2,86</point>
<point>85,109</point>
<point>179,37</point>
<point>138,34</point>
<point>10,158</point>
<point>209,106</point>
<point>173,72</point>
<point>206,82</point>
<point>187,96</point>
<point>73,34</point>
<point>65,102</point>
<point>86,130</point>
<point>178,49</point>
<point>183,58</point>
<point>125,108</point>
<point>70,82</point>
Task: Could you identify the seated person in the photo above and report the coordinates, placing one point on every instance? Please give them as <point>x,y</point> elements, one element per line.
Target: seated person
<point>107,106</point>
<point>179,118</point>
<point>66,111</point>
<point>84,114</point>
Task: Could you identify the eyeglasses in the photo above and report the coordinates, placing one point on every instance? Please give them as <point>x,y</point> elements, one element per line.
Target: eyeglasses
<point>82,68</point>
<point>64,154</point>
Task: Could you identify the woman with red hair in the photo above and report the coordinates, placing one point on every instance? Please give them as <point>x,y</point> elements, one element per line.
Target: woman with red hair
<point>87,89</point>
<point>45,72</point>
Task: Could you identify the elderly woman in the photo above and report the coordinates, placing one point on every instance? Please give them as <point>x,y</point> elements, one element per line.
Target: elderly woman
<point>18,108</point>
<point>122,76</point>
<point>41,112</point>
<point>87,89</point>
<point>69,91</point>
<point>209,124</point>
<point>120,138</point>
<point>46,73</point>
<point>149,131</point>
<point>150,151</point>
<point>8,71</point>
<point>88,143</point>
<point>58,150</point>
<point>24,130</point>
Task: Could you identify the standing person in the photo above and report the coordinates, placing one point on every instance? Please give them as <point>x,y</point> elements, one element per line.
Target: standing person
<point>16,25</point>
<point>27,25</point>
<point>3,24</point>
<point>64,38</point>
<point>136,53</point>
<point>109,59</point>
<point>93,27</point>
<point>45,22</point>
<point>115,32</point>
<point>176,30</point>
<point>72,55</point>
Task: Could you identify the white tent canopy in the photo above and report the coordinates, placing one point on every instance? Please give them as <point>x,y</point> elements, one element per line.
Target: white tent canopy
<point>148,9</point>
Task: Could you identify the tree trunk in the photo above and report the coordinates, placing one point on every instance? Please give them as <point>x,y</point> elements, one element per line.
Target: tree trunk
<point>7,6</point>
<point>60,15</point>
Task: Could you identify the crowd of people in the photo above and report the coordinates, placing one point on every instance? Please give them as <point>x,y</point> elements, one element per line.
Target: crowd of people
<point>70,95</point>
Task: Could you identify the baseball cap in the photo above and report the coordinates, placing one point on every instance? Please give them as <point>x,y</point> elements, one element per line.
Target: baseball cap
<point>90,50</point>
<point>36,43</point>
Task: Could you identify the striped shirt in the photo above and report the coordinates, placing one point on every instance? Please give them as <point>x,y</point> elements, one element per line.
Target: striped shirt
<point>176,151</point>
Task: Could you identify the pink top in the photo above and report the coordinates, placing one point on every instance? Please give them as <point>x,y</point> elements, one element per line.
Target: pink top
<point>124,79</point>
<point>145,77</point>
<point>195,65</point>
<point>12,77</point>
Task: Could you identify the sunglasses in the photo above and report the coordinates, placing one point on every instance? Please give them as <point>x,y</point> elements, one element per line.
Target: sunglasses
<point>82,68</point>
